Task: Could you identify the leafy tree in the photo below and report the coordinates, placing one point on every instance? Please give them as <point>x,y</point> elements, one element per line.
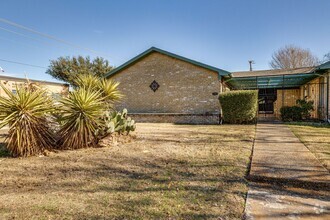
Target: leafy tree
<point>292,56</point>
<point>68,68</point>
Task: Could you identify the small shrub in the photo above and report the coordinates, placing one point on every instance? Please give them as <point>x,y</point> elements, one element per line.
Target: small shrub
<point>26,114</point>
<point>291,113</point>
<point>306,108</point>
<point>239,106</point>
<point>299,112</point>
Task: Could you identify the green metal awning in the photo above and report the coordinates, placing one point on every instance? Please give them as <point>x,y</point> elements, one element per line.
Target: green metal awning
<point>324,66</point>
<point>270,81</point>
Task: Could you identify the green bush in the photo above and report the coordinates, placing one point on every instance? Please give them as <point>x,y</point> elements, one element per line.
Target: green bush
<point>299,112</point>
<point>239,106</point>
<point>306,107</point>
<point>291,113</point>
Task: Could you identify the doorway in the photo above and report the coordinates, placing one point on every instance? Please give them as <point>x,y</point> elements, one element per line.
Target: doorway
<point>266,98</point>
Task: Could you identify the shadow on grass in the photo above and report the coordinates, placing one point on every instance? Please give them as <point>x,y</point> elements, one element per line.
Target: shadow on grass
<point>137,188</point>
<point>3,151</point>
<point>133,187</point>
<point>163,175</point>
<point>305,206</point>
<point>294,183</point>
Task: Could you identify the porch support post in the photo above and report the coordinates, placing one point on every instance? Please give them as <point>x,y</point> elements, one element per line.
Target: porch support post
<point>328,78</point>
<point>221,81</point>
<point>283,90</point>
<point>257,82</point>
<point>258,96</point>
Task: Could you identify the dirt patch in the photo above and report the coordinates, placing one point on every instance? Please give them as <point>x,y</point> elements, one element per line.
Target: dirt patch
<point>116,139</point>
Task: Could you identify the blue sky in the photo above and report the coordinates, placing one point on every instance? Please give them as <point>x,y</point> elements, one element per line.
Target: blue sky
<point>225,34</point>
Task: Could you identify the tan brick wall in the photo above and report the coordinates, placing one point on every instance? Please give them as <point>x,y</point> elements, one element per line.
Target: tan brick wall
<point>311,90</point>
<point>176,118</point>
<point>327,94</point>
<point>290,97</point>
<point>184,87</point>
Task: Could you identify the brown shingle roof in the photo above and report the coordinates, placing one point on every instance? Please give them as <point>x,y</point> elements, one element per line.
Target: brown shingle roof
<point>273,72</point>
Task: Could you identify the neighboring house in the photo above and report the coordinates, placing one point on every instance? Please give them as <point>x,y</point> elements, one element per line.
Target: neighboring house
<point>52,88</point>
<point>160,86</point>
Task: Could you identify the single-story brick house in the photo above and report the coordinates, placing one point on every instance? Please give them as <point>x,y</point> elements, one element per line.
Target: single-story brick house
<point>52,88</point>
<point>160,86</point>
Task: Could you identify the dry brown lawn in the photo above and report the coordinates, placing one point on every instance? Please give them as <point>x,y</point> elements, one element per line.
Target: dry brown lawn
<point>167,172</point>
<point>316,138</point>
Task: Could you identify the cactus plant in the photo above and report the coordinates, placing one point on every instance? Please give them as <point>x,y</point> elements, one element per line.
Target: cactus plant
<point>116,122</point>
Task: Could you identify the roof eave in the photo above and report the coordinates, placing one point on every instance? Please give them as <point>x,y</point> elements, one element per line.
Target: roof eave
<point>324,66</point>
<point>220,72</point>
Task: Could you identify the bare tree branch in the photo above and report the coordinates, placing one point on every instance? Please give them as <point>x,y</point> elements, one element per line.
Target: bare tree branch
<point>326,58</point>
<point>292,56</point>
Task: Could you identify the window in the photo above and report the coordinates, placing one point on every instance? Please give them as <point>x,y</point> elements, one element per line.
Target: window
<point>154,86</point>
<point>14,91</point>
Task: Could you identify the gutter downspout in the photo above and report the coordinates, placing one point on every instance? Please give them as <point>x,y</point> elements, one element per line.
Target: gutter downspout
<point>221,91</point>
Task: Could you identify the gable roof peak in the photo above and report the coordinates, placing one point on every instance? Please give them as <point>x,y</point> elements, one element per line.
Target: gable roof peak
<point>155,49</point>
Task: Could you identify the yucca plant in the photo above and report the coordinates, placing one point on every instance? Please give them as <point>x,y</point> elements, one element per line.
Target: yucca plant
<point>107,88</point>
<point>26,115</point>
<point>81,112</point>
<point>87,81</point>
<point>110,92</point>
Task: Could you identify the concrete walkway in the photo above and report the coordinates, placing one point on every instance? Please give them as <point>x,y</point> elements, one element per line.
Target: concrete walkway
<point>287,181</point>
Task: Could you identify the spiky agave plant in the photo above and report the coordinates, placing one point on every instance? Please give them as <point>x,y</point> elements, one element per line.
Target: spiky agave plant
<point>87,81</point>
<point>110,92</point>
<point>108,88</point>
<point>26,115</point>
<point>81,112</point>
